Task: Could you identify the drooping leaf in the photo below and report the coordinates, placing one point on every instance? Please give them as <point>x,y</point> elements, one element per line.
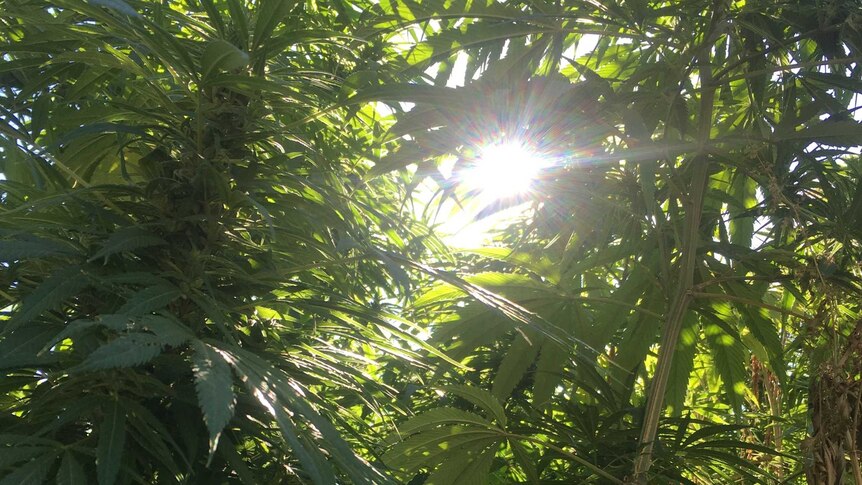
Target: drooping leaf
<point>125,351</point>
<point>525,461</point>
<point>31,247</point>
<point>127,239</point>
<point>481,398</point>
<point>435,417</point>
<point>21,346</point>
<point>432,446</point>
<point>471,466</point>
<point>31,473</point>
<point>221,55</point>
<point>112,437</point>
<point>520,357</point>
<point>214,385</point>
<point>150,299</point>
<point>683,362</point>
<point>59,287</point>
<point>730,360</point>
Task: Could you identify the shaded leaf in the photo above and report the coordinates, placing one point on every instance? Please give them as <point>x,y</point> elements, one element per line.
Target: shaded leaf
<point>112,437</point>
<point>70,472</point>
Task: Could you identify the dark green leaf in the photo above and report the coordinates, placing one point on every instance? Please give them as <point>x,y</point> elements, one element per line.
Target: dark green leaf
<point>112,437</point>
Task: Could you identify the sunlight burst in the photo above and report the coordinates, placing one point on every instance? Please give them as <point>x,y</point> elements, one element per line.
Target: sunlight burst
<point>504,169</point>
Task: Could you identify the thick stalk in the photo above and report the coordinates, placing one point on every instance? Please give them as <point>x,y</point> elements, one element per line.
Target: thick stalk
<point>682,296</point>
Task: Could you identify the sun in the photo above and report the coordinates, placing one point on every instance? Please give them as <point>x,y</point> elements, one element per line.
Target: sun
<point>503,169</point>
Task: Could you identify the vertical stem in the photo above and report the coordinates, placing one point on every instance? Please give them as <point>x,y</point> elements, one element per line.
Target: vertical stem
<point>688,252</point>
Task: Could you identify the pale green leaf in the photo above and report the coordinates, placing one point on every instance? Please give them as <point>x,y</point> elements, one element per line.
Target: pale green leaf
<point>221,55</point>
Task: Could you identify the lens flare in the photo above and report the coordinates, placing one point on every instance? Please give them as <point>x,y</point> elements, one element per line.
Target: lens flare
<point>503,170</point>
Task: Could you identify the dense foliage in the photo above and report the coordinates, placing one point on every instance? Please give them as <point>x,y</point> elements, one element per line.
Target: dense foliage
<point>220,263</point>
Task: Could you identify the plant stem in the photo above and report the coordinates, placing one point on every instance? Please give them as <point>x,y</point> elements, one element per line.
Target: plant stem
<point>688,254</point>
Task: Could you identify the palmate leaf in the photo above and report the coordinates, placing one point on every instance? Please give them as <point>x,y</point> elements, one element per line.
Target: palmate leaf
<point>434,418</point>
<point>111,321</point>
<point>128,350</point>
<point>112,437</point>
<point>433,446</point>
<point>70,472</point>
<point>33,472</point>
<point>21,347</point>
<point>214,386</point>
<point>150,299</point>
<point>127,239</point>
<point>10,456</point>
<point>683,362</point>
<point>167,328</point>
<point>471,466</point>
<point>525,461</point>
<point>481,398</point>
<point>32,247</point>
<point>60,286</point>
<point>730,358</point>
<point>283,400</point>
<point>521,355</point>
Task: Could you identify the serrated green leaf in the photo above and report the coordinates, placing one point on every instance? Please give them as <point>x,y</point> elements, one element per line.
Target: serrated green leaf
<point>9,455</point>
<point>169,330</point>
<point>425,448</point>
<point>683,362</point>
<point>524,461</point>
<point>433,418</point>
<point>33,472</point>
<point>111,321</point>
<point>521,355</point>
<point>221,55</point>
<point>71,472</point>
<point>125,351</point>
<point>112,437</point>
<point>214,386</point>
<point>127,239</point>
<point>59,287</point>
<point>469,467</point>
<point>279,394</point>
<point>481,398</point>
<point>31,247</point>
<point>21,347</point>
<point>730,359</point>
<point>150,299</point>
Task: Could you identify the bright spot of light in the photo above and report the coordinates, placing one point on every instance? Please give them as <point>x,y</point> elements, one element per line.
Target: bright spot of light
<point>503,169</point>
